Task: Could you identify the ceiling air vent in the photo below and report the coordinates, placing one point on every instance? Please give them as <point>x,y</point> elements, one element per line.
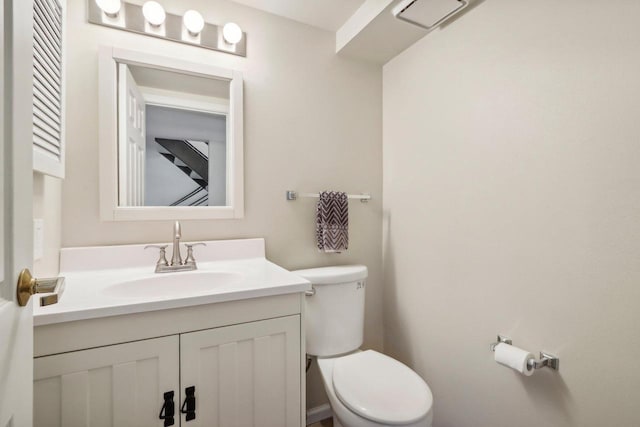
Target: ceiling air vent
<point>428,13</point>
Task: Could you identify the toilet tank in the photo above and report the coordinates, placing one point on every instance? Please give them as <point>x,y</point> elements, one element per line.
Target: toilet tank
<point>334,315</point>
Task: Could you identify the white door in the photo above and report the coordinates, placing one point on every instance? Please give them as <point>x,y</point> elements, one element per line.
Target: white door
<point>131,145</point>
<point>16,252</point>
<point>117,385</point>
<point>243,375</point>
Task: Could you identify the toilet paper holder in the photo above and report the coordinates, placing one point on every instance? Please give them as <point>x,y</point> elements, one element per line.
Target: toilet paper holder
<point>546,359</point>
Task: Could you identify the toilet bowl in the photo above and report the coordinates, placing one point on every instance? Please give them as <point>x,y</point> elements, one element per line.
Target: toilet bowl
<point>365,388</point>
<point>369,389</point>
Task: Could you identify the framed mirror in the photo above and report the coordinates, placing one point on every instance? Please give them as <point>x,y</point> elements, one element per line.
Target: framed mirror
<point>171,138</point>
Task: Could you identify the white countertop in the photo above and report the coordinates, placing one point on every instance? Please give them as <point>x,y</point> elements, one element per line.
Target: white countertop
<point>87,292</point>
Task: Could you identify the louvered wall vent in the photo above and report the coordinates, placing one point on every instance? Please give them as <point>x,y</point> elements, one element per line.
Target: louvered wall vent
<point>48,94</point>
<point>428,14</point>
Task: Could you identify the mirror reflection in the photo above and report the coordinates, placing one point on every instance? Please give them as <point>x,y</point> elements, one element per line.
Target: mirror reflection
<point>172,148</point>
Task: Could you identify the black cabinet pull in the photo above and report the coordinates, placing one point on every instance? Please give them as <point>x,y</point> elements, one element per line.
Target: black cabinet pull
<point>168,409</point>
<point>189,405</point>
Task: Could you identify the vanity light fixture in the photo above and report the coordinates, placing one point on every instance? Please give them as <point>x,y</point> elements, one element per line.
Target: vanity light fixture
<point>111,8</point>
<point>193,22</point>
<point>154,13</point>
<point>150,19</point>
<point>232,33</point>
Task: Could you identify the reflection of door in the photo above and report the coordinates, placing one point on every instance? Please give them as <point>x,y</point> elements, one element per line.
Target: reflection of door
<point>16,109</point>
<point>131,150</point>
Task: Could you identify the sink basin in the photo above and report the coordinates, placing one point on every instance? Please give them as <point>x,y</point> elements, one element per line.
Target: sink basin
<point>173,284</point>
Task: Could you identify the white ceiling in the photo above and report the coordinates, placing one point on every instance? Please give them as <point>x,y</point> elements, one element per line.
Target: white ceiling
<point>325,14</point>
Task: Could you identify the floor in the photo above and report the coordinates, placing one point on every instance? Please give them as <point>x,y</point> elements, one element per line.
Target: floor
<point>324,423</point>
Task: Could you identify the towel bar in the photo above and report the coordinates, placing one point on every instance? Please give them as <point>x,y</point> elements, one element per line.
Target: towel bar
<point>294,195</point>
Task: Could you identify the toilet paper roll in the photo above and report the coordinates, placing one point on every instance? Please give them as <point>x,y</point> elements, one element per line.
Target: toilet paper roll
<point>514,358</point>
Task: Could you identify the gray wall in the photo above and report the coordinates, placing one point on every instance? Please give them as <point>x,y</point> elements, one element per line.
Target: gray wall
<point>512,205</point>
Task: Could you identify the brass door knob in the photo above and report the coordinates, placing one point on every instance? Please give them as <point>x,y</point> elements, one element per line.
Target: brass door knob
<point>29,285</point>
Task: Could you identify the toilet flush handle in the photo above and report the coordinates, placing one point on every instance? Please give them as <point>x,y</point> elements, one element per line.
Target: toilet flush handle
<point>310,293</point>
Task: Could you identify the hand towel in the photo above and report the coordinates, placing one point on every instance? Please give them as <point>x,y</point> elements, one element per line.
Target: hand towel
<point>332,221</point>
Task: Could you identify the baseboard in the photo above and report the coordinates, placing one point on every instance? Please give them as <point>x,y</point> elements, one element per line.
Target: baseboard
<point>319,413</point>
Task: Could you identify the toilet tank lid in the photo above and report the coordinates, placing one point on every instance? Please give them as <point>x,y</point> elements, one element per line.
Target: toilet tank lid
<point>333,275</point>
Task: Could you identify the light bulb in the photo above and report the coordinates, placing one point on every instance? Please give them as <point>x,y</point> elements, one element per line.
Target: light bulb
<point>193,22</point>
<point>232,33</point>
<point>154,13</point>
<point>109,7</point>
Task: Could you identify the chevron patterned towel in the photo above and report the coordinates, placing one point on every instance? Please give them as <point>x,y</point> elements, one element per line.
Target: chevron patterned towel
<point>332,221</point>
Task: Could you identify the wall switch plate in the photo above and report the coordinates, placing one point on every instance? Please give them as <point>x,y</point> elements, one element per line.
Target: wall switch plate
<point>38,238</point>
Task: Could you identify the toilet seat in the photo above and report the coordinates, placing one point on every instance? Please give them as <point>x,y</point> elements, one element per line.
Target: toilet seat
<point>381,389</point>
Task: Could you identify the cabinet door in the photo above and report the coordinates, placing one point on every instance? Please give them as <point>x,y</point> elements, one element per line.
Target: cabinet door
<point>118,385</point>
<point>244,375</point>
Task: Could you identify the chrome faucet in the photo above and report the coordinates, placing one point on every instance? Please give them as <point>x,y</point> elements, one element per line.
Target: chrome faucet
<point>176,259</point>
<point>176,264</point>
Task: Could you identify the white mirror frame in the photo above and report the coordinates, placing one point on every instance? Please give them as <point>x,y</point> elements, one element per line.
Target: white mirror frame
<point>109,59</point>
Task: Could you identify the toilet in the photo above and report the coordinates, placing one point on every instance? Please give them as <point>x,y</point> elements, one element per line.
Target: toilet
<point>365,388</point>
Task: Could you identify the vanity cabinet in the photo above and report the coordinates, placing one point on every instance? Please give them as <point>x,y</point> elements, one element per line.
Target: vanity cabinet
<point>244,375</point>
<point>116,385</point>
<point>247,374</point>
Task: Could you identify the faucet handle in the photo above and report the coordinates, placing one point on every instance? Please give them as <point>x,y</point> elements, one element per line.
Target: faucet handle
<point>162,260</point>
<point>190,260</point>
